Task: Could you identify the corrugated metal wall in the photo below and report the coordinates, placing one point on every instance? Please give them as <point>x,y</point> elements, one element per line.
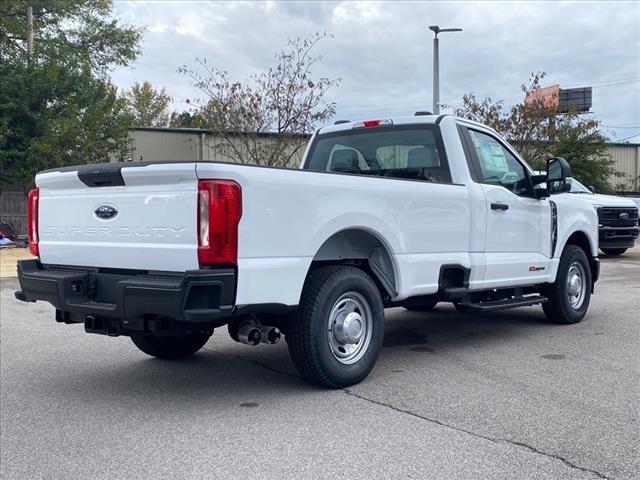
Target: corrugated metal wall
<point>217,149</point>
<point>151,145</point>
<point>627,161</point>
<point>193,144</point>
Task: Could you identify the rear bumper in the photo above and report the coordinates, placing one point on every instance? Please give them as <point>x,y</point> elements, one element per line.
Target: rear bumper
<point>617,237</point>
<point>196,296</point>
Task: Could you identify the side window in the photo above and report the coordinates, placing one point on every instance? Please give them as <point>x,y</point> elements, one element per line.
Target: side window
<point>498,166</point>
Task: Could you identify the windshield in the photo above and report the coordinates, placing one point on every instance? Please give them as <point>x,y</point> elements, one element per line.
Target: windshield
<point>411,152</point>
<point>577,187</point>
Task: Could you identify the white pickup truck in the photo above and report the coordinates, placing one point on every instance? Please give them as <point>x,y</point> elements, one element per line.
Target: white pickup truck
<point>401,212</point>
<point>617,219</point>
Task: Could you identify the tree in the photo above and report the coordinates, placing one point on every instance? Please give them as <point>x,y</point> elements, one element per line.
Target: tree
<point>185,119</point>
<point>57,105</point>
<point>538,132</point>
<point>286,102</point>
<point>147,106</point>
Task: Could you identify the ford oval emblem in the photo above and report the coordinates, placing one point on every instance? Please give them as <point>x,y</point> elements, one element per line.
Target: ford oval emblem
<point>624,216</point>
<point>106,212</point>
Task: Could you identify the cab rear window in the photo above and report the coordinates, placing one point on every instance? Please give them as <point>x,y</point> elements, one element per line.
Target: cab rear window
<point>411,152</point>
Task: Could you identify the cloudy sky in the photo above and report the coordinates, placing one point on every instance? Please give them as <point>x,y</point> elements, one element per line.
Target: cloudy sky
<point>383,51</point>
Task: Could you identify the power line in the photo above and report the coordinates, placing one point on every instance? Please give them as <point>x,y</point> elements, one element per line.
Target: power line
<point>627,138</point>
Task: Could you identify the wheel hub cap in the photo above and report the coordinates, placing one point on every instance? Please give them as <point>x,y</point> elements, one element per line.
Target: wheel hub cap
<point>349,328</point>
<point>576,286</point>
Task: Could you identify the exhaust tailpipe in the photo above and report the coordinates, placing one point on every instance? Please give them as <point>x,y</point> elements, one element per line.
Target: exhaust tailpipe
<point>271,335</point>
<point>249,333</point>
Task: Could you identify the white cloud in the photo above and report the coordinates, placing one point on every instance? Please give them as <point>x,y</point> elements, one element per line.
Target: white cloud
<point>382,51</point>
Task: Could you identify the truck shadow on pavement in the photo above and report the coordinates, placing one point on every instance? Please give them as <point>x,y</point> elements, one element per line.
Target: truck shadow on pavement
<point>228,373</point>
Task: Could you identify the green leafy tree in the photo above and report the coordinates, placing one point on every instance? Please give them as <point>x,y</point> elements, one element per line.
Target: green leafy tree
<point>186,119</point>
<point>57,104</point>
<point>147,106</point>
<point>538,132</point>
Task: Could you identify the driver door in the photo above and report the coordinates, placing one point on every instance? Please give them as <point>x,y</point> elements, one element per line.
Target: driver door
<point>518,225</point>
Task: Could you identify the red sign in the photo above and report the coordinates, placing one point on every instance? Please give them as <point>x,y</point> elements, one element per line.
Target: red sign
<point>549,96</point>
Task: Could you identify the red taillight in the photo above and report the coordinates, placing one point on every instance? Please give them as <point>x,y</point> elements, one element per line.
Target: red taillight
<point>219,212</point>
<point>32,220</point>
<point>372,123</point>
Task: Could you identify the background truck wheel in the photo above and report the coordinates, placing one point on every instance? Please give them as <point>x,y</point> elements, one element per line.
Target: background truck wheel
<point>570,294</point>
<point>178,346</point>
<point>421,307</point>
<point>613,251</point>
<point>336,337</point>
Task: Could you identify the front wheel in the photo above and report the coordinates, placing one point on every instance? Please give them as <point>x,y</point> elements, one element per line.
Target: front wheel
<point>570,294</point>
<point>336,337</point>
<point>175,346</point>
<point>613,251</point>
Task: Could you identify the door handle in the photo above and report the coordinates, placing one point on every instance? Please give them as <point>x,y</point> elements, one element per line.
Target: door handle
<point>499,206</point>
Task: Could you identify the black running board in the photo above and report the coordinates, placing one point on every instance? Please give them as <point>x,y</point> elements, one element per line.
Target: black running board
<point>505,304</point>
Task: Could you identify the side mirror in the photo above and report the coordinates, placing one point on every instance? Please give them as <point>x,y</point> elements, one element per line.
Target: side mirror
<point>592,188</point>
<point>539,184</point>
<point>558,175</point>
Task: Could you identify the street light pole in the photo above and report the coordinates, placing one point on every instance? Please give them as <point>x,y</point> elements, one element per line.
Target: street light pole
<point>436,64</point>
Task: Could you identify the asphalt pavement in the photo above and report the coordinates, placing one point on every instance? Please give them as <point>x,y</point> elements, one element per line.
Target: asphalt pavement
<point>502,395</point>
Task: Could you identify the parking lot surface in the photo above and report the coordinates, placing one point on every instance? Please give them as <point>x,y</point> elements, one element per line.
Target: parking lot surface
<point>498,395</point>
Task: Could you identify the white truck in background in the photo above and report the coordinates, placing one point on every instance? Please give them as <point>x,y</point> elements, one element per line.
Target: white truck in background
<point>617,219</point>
<point>406,212</point>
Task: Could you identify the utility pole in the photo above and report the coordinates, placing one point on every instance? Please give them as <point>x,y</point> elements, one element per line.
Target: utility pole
<point>436,64</point>
<point>29,31</point>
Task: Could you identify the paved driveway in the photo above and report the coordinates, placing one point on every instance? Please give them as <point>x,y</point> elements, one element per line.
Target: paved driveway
<point>501,395</point>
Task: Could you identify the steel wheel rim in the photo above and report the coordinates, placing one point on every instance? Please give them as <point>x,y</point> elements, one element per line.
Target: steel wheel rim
<point>576,285</point>
<point>349,328</point>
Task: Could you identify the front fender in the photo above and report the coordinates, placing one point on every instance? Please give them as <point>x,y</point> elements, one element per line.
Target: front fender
<point>575,215</point>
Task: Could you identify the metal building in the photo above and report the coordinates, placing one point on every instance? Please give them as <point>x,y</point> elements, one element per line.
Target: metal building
<point>153,144</point>
<point>626,157</point>
<point>149,143</point>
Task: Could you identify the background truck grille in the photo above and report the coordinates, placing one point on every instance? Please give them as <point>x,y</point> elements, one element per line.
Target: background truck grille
<point>615,217</point>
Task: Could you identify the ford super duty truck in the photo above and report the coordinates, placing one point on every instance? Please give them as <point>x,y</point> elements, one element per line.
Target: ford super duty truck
<point>404,212</point>
<point>617,219</point>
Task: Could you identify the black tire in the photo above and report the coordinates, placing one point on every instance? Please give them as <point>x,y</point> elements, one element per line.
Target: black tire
<point>613,251</point>
<point>178,346</point>
<point>559,308</point>
<point>308,336</point>
<point>422,307</point>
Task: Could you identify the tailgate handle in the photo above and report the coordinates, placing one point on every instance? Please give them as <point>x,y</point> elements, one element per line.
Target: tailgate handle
<point>111,177</point>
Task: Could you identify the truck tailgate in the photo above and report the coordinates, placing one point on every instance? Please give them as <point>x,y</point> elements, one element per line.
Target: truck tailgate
<point>118,216</point>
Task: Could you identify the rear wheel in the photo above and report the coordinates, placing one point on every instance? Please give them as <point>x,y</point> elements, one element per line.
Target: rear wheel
<point>336,337</point>
<point>613,251</point>
<point>178,346</point>
<point>570,294</point>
